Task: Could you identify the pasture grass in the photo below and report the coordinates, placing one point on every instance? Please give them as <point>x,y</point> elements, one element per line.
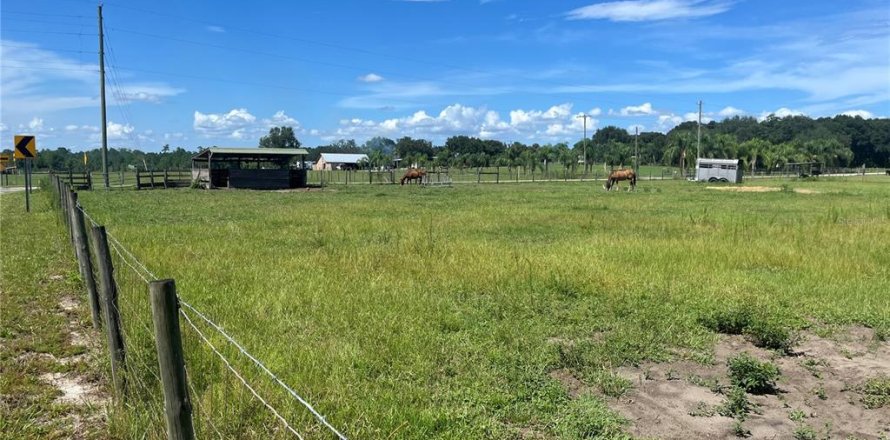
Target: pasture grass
<point>408,312</point>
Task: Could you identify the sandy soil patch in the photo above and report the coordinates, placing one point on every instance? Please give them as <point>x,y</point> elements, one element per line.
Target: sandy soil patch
<point>820,381</point>
<point>74,390</point>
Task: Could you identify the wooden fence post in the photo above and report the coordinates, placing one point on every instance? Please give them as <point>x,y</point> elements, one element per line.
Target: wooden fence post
<point>139,181</point>
<point>165,178</point>
<point>116,347</point>
<point>165,314</point>
<point>72,206</point>
<point>82,251</point>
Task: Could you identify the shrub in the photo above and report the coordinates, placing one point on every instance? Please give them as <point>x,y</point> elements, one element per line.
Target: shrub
<point>751,375</point>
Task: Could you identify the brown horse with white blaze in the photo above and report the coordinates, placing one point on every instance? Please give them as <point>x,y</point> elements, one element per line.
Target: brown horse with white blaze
<point>413,174</point>
<point>619,175</point>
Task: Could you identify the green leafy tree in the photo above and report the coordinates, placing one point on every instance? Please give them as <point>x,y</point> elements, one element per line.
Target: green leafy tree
<point>280,137</point>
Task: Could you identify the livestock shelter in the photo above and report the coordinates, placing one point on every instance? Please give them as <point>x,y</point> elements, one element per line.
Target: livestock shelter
<point>250,168</point>
<point>338,161</point>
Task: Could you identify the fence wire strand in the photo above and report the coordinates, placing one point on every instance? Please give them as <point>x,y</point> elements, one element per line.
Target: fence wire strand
<point>238,375</point>
<point>259,364</point>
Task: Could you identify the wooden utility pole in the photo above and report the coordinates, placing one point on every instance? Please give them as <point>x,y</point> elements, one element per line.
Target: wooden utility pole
<point>102,100</point>
<point>177,406</point>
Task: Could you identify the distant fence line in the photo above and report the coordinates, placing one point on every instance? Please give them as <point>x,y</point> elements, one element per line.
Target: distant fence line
<point>127,333</point>
<point>178,178</point>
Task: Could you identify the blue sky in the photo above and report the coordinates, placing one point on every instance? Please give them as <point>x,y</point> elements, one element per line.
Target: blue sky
<point>221,73</point>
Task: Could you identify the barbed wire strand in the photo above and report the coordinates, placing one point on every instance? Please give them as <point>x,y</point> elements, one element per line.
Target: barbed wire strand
<point>235,372</point>
<point>293,393</point>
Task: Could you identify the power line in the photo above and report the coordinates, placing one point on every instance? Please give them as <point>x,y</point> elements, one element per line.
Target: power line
<point>287,57</point>
<point>32,31</point>
<point>41,14</point>
<point>24,46</point>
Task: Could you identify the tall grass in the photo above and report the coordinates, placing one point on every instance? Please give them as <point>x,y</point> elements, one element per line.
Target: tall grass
<point>410,312</point>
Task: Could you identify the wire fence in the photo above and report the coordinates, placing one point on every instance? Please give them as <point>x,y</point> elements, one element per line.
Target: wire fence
<point>232,393</point>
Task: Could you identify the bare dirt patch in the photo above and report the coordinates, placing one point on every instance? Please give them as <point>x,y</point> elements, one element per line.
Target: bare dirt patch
<point>818,388</point>
<point>75,390</point>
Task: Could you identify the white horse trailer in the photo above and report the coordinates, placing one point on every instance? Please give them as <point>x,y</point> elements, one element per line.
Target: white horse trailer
<point>718,170</point>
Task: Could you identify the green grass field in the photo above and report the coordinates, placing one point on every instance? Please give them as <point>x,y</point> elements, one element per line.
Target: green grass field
<point>407,312</point>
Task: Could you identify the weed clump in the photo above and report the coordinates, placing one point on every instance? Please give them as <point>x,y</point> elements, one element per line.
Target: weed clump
<point>751,375</point>
<point>876,392</point>
<point>772,335</point>
<point>762,331</point>
<point>736,404</point>
<point>731,321</point>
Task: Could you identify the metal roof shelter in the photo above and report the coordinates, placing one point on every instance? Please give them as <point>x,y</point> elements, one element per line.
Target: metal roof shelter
<point>254,168</point>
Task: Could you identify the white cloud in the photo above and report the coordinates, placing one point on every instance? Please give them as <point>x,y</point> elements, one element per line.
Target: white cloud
<point>730,111</point>
<point>370,78</point>
<point>669,121</point>
<point>61,83</point>
<point>783,112</point>
<point>229,124</point>
<point>36,124</point>
<point>864,114</point>
<point>648,10</point>
<point>146,92</point>
<point>177,136</point>
<point>644,109</point>
<point>555,123</point>
<point>240,124</point>
<point>116,132</point>
<point>693,116</point>
<point>217,29</point>
<point>281,119</point>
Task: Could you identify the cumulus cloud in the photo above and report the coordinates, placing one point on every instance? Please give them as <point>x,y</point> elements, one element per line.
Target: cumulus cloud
<point>556,122</point>
<point>644,109</point>
<point>730,111</point>
<point>36,124</point>
<point>239,123</point>
<point>864,114</point>
<point>783,112</point>
<point>648,10</point>
<point>370,78</point>
<point>223,124</point>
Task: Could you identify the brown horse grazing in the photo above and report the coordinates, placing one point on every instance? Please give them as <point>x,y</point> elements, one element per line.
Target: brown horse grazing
<point>413,174</point>
<point>619,175</point>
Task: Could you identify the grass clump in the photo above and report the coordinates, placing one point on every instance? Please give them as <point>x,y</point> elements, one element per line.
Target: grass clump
<point>876,392</point>
<point>752,375</point>
<point>731,321</point>
<point>771,334</point>
<point>587,417</point>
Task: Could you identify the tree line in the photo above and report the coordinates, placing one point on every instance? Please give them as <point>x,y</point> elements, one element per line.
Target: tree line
<point>840,141</point>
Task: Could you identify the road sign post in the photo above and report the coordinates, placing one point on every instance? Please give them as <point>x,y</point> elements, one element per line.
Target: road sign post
<point>26,149</point>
